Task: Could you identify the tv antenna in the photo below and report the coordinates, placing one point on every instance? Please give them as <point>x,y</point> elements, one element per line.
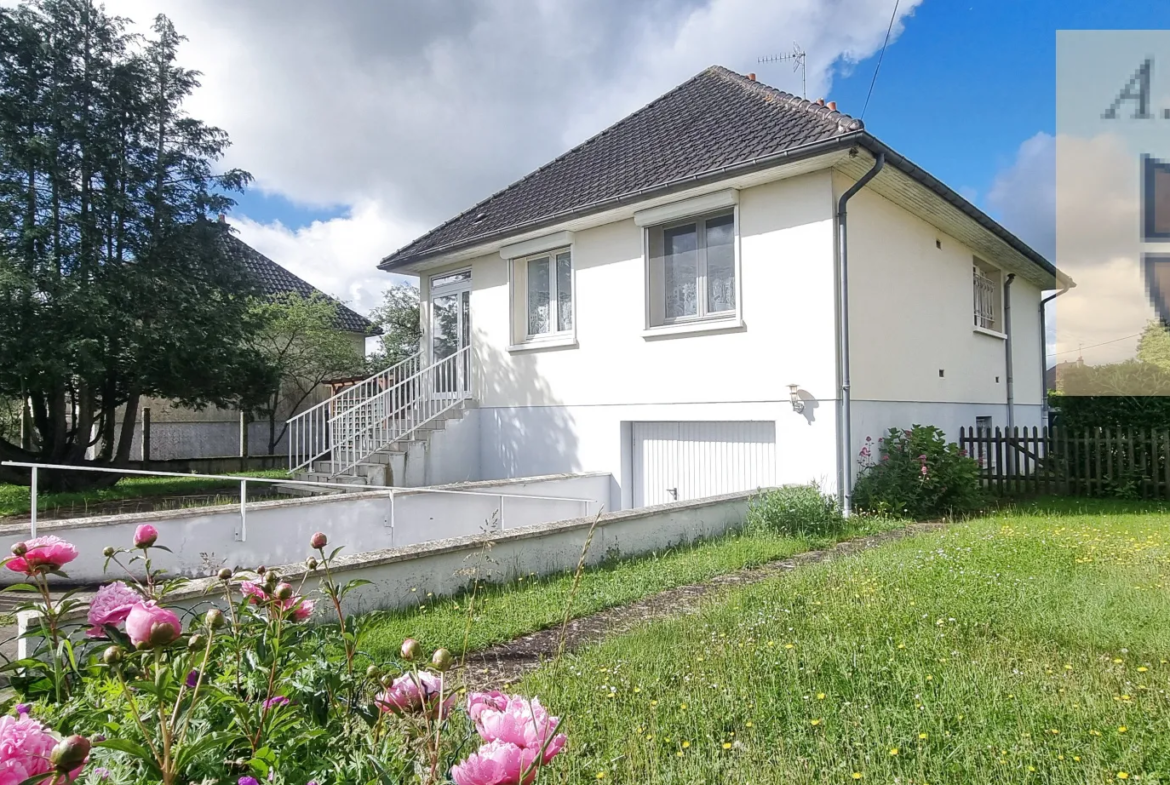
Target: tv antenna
<point>797,57</point>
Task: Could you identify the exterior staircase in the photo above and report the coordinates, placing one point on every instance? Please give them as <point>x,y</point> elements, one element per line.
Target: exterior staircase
<point>377,433</point>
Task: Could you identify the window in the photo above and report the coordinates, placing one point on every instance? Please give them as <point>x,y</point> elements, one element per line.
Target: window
<point>987,297</point>
<point>692,270</point>
<point>543,295</point>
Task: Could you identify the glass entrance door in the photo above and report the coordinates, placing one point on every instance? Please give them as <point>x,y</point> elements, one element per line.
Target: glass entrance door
<point>451,332</point>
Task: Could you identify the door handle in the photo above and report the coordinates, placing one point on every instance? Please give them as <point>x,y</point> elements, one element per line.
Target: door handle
<point>673,493</point>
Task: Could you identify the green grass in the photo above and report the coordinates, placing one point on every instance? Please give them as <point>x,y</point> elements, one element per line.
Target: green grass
<point>504,611</point>
<point>1027,647</point>
<point>14,499</point>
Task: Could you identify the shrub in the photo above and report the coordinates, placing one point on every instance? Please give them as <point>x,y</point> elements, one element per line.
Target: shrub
<point>796,511</point>
<point>917,474</point>
<point>244,692</point>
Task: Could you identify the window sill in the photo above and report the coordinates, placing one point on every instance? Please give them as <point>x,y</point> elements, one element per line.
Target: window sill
<point>540,344</point>
<point>992,333</point>
<point>690,328</point>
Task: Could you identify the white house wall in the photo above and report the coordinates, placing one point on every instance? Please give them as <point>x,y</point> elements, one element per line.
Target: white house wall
<point>911,311</point>
<point>569,409</point>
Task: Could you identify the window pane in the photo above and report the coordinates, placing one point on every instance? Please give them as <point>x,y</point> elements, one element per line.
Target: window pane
<point>564,291</point>
<point>721,264</point>
<point>680,266</point>
<point>463,276</point>
<point>538,311</point>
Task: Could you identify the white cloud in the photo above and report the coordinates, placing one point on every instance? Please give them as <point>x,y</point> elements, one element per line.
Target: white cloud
<point>405,113</point>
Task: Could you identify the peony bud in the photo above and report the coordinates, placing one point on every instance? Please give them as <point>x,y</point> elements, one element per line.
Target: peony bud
<point>410,649</point>
<point>441,660</point>
<point>270,579</point>
<point>108,551</point>
<point>373,673</point>
<point>70,753</point>
<point>283,591</point>
<point>261,570</point>
<point>225,574</point>
<point>215,618</point>
<point>387,680</point>
<point>145,536</point>
<point>311,563</point>
<point>318,541</point>
<point>112,655</point>
<point>196,642</point>
<point>19,549</point>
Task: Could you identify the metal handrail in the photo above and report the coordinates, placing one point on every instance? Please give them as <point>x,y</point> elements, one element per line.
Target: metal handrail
<point>415,401</point>
<point>309,436</point>
<point>243,481</point>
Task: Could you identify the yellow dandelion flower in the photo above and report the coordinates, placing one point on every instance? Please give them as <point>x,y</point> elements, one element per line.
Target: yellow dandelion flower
<point>1143,669</point>
<point>678,754</point>
<point>686,745</point>
<point>1122,729</point>
<point>820,696</point>
<point>1077,758</point>
<point>1117,660</point>
<point>1121,775</point>
<point>748,724</point>
<point>601,775</point>
<point>857,775</point>
<point>653,703</point>
<point>924,736</point>
<point>683,706</point>
<point>727,745</point>
<point>815,722</point>
<point>893,751</point>
<point>788,646</point>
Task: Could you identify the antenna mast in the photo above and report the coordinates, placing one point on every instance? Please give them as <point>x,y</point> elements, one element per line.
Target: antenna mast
<point>797,57</point>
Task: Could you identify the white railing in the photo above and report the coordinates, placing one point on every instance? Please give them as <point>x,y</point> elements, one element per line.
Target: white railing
<point>241,534</point>
<point>397,413</point>
<point>309,435</point>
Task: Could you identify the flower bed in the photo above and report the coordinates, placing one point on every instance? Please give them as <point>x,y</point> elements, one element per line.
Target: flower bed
<point>143,692</point>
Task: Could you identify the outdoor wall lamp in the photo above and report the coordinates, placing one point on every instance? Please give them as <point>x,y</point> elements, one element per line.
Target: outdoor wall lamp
<point>797,404</point>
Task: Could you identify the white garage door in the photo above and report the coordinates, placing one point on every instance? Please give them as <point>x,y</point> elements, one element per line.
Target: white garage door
<point>690,460</point>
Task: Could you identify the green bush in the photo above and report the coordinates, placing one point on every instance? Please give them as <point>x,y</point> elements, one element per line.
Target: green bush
<point>796,511</point>
<point>917,474</point>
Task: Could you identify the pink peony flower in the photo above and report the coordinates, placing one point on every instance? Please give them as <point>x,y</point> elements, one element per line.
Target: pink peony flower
<point>145,536</point>
<point>111,605</point>
<point>43,554</point>
<point>522,722</point>
<point>254,591</point>
<point>496,763</point>
<point>25,745</point>
<point>477,702</point>
<point>276,703</point>
<point>300,607</point>
<point>150,625</point>
<point>414,692</point>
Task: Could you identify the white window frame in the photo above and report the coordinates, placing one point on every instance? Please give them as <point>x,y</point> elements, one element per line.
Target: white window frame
<point>657,323</point>
<point>522,339</point>
<point>991,277</point>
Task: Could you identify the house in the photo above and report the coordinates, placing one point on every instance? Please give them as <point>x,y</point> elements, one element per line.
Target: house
<point>178,432</point>
<point>665,303</point>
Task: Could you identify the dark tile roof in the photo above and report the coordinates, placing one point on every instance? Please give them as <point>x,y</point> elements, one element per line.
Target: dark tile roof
<point>714,120</point>
<point>272,279</point>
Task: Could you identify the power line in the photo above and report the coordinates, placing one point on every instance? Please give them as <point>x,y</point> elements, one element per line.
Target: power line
<point>1094,345</point>
<point>877,67</point>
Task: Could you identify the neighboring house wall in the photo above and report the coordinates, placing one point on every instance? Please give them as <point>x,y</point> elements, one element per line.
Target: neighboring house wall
<point>570,409</point>
<point>911,315</point>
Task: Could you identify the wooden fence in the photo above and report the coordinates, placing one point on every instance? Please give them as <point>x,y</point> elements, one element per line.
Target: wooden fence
<point>1123,462</point>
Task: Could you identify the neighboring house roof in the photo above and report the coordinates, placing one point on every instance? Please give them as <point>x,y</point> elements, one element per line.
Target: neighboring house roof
<point>713,126</point>
<point>272,279</point>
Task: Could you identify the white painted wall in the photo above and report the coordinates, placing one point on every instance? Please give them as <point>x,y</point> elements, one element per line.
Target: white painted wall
<point>568,409</point>
<point>203,540</point>
<point>399,576</point>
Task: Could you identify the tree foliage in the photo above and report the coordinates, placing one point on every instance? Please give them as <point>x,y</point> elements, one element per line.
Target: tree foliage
<point>111,287</point>
<point>301,348</point>
<point>398,316</point>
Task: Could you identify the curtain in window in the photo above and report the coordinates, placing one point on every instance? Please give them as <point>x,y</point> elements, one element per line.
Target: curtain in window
<point>564,291</point>
<point>721,264</point>
<point>538,297</point>
<point>681,271</point>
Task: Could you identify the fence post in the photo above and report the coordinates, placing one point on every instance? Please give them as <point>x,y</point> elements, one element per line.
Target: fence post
<point>32,493</point>
<point>145,437</point>
<point>243,535</point>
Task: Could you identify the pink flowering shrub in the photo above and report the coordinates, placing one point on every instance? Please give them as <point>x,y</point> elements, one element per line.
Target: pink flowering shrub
<point>919,475</point>
<point>285,707</point>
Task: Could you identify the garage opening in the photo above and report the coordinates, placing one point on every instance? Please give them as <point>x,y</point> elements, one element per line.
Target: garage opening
<point>679,461</point>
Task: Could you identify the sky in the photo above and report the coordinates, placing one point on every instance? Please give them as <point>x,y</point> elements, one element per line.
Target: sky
<point>366,123</point>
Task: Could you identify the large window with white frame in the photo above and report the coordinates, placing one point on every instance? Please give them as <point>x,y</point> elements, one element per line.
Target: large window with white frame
<point>692,269</point>
<point>988,293</point>
<point>543,296</point>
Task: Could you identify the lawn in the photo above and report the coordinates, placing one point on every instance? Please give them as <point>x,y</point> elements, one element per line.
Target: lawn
<point>14,499</point>
<point>1026,647</point>
<point>505,611</point>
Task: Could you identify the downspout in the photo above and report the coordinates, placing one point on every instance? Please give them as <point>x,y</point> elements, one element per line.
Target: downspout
<point>1064,287</point>
<point>845,435</point>
<point>1007,350</point>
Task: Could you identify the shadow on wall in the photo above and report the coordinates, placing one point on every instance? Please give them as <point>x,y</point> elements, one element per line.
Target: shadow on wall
<point>810,404</point>
<point>533,433</point>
